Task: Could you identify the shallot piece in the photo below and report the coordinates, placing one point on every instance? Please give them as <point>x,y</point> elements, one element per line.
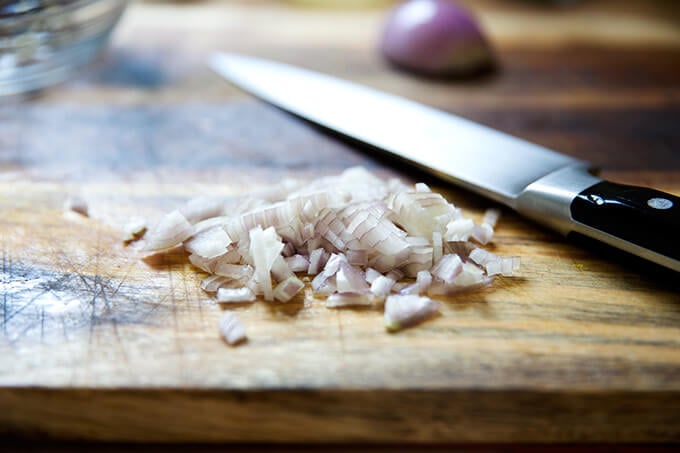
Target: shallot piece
<point>202,208</point>
<point>406,310</point>
<point>398,287</point>
<point>204,264</point>
<point>280,269</point>
<point>349,280</point>
<point>288,250</point>
<point>509,265</point>
<point>337,300</point>
<point>423,280</point>
<point>459,230</point>
<point>234,271</point>
<point>235,295</point>
<point>172,230</point>
<point>297,263</point>
<point>470,278</point>
<point>357,257</point>
<point>413,288</point>
<point>382,286</point>
<point>209,243</point>
<point>316,261</point>
<point>484,232</point>
<point>491,217</point>
<point>437,246</point>
<point>265,246</point>
<point>231,329</point>
<point>371,274</point>
<point>422,187</point>
<point>448,268</point>
<point>395,274</point>
<point>254,286</point>
<point>213,283</point>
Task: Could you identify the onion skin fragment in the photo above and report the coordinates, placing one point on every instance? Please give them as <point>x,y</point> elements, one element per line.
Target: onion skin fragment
<point>134,230</point>
<point>435,38</point>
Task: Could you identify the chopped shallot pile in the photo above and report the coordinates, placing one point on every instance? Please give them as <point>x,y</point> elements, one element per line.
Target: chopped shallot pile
<point>361,240</point>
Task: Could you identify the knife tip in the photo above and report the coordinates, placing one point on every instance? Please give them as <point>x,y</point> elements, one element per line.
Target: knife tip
<point>217,60</point>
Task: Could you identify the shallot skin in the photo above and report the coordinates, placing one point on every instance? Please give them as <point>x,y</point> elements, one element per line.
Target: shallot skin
<point>435,38</point>
<point>76,204</point>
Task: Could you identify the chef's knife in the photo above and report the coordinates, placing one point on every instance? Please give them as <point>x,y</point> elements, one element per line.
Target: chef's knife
<point>548,187</point>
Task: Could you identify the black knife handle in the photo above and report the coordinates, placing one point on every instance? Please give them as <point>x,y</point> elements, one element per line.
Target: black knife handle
<point>645,217</point>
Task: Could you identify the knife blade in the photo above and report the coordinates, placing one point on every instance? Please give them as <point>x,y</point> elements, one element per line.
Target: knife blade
<point>551,188</point>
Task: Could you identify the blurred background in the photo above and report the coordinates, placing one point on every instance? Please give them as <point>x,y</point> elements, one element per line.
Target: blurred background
<point>594,78</point>
<point>159,48</point>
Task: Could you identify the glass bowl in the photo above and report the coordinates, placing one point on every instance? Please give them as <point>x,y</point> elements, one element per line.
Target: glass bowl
<point>43,42</point>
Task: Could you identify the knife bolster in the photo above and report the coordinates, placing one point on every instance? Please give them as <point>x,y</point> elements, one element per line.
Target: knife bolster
<point>638,220</point>
<point>548,200</point>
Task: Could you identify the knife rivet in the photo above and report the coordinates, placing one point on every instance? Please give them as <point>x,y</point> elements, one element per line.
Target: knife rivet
<point>597,199</point>
<point>659,203</point>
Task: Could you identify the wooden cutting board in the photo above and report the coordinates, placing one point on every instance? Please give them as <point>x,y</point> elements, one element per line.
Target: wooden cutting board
<point>97,344</point>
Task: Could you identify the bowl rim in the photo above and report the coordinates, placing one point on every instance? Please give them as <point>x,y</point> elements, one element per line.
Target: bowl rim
<point>54,10</point>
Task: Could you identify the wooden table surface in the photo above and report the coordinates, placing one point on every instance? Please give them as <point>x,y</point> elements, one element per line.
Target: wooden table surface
<point>95,344</point>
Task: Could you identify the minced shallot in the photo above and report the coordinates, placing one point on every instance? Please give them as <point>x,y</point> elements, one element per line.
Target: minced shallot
<point>172,230</point>
<point>405,310</point>
<point>231,328</point>
<point>359,239</point>
<point>235,295</point>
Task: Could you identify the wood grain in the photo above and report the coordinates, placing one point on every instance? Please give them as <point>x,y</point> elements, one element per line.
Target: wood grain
<point>96,344</point>
<point>376,415</point>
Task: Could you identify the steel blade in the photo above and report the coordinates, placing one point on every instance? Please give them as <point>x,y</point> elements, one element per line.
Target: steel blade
<point>484,160</point>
